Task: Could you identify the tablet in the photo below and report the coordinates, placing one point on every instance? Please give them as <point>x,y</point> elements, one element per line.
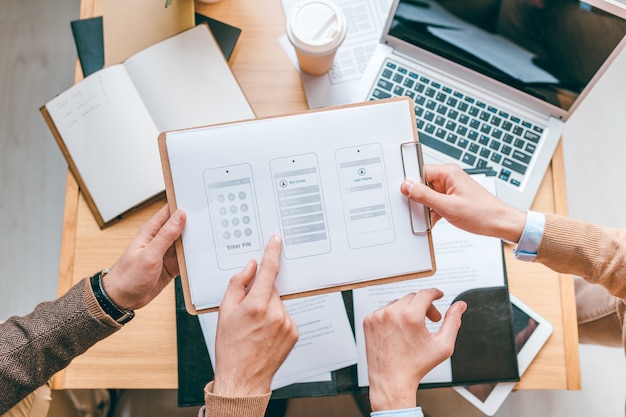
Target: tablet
<point>531,333</point>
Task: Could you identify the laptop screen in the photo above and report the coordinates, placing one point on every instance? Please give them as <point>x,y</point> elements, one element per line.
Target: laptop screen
<point>550,49</point>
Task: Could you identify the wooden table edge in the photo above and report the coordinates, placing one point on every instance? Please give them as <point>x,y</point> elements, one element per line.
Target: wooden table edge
<point>568,303</point>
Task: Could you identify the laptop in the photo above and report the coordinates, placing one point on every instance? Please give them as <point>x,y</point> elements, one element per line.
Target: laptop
<point>494,83</point>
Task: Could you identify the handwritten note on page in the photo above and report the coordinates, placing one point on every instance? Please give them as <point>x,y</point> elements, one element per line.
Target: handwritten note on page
<point>96,118</point>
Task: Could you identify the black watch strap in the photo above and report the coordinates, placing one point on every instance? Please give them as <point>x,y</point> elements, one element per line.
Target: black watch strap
<point>119,315</point>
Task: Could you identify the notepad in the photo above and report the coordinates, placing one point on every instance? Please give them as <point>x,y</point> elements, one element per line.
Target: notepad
<point>107,125</point>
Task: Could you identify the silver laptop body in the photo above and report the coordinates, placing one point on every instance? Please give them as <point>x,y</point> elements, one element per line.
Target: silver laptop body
<point>493,85</point>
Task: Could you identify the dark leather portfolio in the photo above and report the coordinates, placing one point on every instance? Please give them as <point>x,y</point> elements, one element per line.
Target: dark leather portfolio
<point>485,345</point>
<point>485,351</point>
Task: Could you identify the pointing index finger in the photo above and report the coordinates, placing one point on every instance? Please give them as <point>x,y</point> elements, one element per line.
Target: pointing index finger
<point>263,285</point>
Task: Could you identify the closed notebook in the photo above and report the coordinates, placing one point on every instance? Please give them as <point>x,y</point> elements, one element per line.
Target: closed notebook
<point>89,40</point>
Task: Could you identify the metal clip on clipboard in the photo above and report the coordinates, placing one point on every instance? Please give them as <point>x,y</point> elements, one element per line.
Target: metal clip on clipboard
<point>412,165</point>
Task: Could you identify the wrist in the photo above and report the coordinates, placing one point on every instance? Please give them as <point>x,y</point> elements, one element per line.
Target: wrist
<point>232,388</point>
<point>510,225</point>
<point>386,398</point>
<point>116,312</point>
<point>116,294</point>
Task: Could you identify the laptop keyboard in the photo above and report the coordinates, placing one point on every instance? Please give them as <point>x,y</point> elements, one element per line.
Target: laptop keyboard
<point>462,127</point>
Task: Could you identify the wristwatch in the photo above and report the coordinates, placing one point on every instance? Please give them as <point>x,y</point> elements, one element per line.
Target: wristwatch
<point>121,316</point>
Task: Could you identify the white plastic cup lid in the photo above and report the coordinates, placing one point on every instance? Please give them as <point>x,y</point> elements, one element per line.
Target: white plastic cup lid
<point>316,27</point>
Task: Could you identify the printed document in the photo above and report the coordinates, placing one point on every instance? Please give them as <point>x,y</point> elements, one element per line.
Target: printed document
<point>464,261</point>
<point>326,342</point>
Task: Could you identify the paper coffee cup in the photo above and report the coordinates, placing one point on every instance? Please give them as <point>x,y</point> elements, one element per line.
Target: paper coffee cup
<point>316,29</point>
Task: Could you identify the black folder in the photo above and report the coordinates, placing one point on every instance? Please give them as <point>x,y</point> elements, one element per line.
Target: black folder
<point>485,351</point>
<point>90,41</point>
<point>485,345</point>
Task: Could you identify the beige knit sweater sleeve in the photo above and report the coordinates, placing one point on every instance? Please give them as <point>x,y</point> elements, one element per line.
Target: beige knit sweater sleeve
<point>218,406</point>
<point>595,253</point>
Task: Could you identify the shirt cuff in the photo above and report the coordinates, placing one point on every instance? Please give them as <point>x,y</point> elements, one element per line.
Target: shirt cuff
<point>528,244</point>
<point>407,412</point>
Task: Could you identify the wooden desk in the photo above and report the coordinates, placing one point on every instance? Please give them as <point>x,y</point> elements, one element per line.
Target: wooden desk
<point>143,354</point>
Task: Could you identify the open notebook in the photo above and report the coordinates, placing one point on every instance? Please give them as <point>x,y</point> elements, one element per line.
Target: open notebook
<point>107,125</point>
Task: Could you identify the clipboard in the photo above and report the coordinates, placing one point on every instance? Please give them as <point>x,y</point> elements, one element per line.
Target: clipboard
<point>266,174</point>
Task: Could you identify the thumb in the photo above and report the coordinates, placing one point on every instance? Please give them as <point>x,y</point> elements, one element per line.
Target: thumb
<point>423,194</point>
<point>238,284</point>
<point>452,322</point>
<point>166,231</point>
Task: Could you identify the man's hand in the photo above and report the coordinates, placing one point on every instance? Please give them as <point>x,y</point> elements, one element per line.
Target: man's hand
<point>452,194</point>
<point>149,262</point>
<point>255,333</point>
<point>400,349</point>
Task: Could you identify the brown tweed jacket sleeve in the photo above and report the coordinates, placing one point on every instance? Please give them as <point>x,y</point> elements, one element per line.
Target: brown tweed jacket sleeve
<point>36,346</point>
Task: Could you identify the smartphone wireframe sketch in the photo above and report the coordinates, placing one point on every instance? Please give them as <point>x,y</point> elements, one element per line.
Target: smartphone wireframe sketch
<point>233,212</point>
<point>300,202</point>
<point>364,195</point>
